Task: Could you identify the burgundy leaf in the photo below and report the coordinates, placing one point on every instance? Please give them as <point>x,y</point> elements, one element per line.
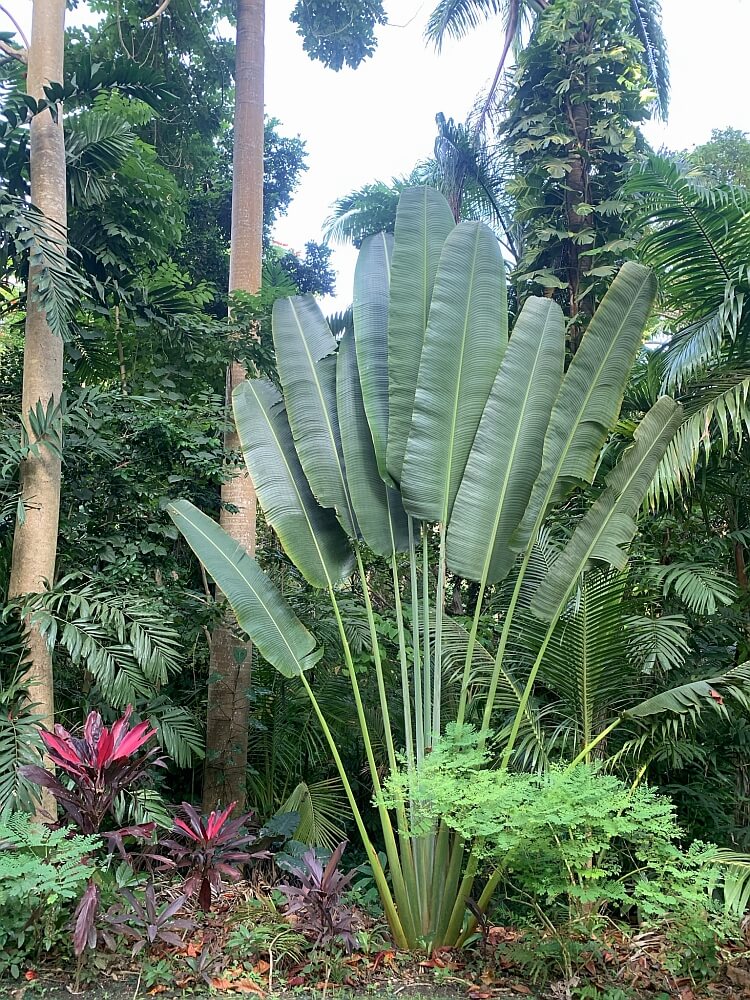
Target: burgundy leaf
<point>84,919</point>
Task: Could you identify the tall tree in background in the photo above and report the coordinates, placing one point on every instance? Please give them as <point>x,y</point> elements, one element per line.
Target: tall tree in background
<point>354,20</point>
<point>35,539</point>
<point>231,660</point>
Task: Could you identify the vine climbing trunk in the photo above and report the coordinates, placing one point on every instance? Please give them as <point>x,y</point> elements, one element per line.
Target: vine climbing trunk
<point>229,682</point>
<point>35,539</point>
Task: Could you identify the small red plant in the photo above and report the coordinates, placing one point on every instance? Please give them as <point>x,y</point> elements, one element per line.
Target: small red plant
<point>101,763</point>
<point>209,848</point>
<point>318,900</point>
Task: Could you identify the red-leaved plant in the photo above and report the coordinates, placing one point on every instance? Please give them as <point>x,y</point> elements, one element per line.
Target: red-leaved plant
<point>209,848</point>
<point>317,902</point>
<point>101,764</point>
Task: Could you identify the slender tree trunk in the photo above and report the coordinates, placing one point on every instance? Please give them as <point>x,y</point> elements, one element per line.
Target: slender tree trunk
<point>229,683</point>
<point>35,540</point>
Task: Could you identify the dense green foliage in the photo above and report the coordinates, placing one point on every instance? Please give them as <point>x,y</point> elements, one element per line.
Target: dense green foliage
<point>500,600</point>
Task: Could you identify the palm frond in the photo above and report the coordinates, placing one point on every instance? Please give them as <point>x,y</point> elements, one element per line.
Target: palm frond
<point>686,702</point>
<point>736,880</point>
<point>319,806</point>
<point>36,243</point>
<point>96,145</point>
<point>696,237</point>
<point>361,213</point>
<point>455,18</point>
<point>702,588</point>
<point>646,25</point>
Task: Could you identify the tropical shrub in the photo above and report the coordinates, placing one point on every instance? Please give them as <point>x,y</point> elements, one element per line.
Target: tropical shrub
<point>43,872</point>
<point>317,902</point>
<point>207,849</point>
<point>569,840</point>
<point>100,765</point>
<point>425,431</point>
<point>144,921</point>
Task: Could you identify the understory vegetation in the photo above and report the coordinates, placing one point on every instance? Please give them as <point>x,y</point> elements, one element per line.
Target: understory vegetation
<point>404,647</point>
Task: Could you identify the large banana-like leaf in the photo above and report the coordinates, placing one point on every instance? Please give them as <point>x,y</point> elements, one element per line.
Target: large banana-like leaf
<point>592,391</point>
<point>309,533</point>
<point>507,452</point>
<point>306,359</point>
<point>609,525</point>
<point>372,283</point>
<point>467,332</point>
<point>423,222</point>
<point>690,699</point>
<point>278,634</point>
<point>378,508</point>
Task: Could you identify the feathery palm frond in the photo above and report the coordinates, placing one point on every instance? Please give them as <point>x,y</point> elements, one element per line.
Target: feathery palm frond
<point>586,663</point>
<point>646,25</point>
<point>455,18</point>
<point>361,213</point>
<point>319,805</point>
<point>697,239</point>
<point>95,146</point>
<point>19,731</point>
<point>28,239</point>
<point>471,176</point>
<point>702,588</point>
<point>455,640</point>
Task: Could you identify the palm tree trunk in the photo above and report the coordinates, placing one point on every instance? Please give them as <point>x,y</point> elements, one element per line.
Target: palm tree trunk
<point>231,659</point>
<point>35,540</point>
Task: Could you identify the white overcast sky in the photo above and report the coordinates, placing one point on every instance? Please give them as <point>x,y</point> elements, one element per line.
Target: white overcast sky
<point>376,122</point>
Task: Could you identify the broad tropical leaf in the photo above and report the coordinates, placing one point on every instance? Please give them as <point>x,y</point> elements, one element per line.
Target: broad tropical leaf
<point>259,608</point>
<point>378,508</point>
<point>690,699</point>
<point>309,533</point>
<point>372,281</point>
<point>423,222</point>
<point>736,880</point>
<point>507,452</point>
<point>609,525</point>
<point>592,392</point>
<point>306,360</point>
<point>467,332</point>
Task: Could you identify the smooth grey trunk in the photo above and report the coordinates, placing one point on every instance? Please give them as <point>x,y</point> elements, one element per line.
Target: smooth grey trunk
<point>228,711</point>
<point>35,540</point>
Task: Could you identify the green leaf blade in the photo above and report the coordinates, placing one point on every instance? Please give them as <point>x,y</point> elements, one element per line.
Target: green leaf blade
<point>306,359</point>
<point>378,508</point>
<point>592,392</point>
<point>467,332</point>
<point>609,525</point>
<point>309,533</point>
<point>423,222</point>
<point>372,282</point>
<point>507,452</point>
<point>261,611</point>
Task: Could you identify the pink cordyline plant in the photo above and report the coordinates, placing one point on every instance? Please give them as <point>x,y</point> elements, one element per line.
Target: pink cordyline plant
<point>101,763</point>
